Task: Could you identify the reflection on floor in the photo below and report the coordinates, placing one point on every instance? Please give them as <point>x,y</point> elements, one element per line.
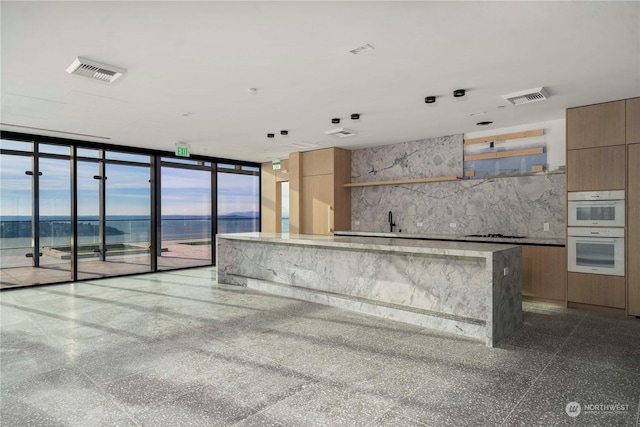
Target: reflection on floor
<point>176,254</point>
<point>175,349</point>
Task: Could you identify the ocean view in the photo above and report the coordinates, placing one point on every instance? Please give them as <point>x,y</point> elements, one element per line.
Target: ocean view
<point>15,231</point>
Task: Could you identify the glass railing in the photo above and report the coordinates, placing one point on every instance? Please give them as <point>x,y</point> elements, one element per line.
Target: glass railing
<point>55,234</point>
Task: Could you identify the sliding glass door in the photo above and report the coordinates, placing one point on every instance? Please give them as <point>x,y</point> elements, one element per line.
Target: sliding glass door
<point>54,210</point>
<point>15,219</point>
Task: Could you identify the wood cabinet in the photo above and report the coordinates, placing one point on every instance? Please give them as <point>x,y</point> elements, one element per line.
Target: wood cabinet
<point>319,162</point>
<point>596,169</point>
<point>633,121</point>
<point>269,202</point>
<point>544,272</point>
<point>325,204</point>
<point>633,230</point>
<point>596,290</point>
<point>596,125</point>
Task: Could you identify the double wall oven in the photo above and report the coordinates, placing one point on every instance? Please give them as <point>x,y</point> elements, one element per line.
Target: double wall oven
<point>595,236</point>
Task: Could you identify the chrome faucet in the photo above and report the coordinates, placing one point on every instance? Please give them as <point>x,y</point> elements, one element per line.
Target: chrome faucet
<point>391,223</point>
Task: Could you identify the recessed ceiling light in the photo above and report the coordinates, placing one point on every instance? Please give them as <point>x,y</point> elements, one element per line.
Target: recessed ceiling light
<point>362,49</point>
<point>430,99</point>
<point>335,121</point>
<point>355,116</point>
<point>284,132</point>
<point>458,93</point>
<point>484,123</point>
<point>270,135</point>
<point>253,90</point>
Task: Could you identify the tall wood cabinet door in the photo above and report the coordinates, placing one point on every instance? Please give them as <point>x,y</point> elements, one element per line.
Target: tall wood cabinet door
<point>596,169</point>
<point>596,125</point>
<point>317,204</point>
<point>633,230</point>
<point>633,121</point>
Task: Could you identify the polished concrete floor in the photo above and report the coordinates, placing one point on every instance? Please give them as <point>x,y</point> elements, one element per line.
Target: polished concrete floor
<point>176,349</point>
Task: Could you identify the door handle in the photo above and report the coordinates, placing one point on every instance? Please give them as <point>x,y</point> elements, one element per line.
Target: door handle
<point>328,218</point>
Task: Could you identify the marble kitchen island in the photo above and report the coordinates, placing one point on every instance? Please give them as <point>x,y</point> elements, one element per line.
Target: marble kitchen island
<point>467,288</point>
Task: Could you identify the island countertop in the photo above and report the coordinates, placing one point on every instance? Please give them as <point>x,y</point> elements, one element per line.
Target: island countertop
<point>468,288</point>
<point>432,247</point>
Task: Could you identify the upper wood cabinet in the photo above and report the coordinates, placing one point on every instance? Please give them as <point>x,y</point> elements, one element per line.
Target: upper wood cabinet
<point>596,169</point>
<point>319,162</point>
<point>596,125</point>
<point>633,121</point>
<point>325,203</point>
<point>633,230</point>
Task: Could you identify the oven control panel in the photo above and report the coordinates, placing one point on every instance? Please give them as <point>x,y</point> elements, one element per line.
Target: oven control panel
<point>595,232</point>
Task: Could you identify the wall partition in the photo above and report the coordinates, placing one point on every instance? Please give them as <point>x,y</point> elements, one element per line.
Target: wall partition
<point>75,210</point>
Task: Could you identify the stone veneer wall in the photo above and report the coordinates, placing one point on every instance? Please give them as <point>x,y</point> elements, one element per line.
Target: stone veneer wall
<point>510,205</point>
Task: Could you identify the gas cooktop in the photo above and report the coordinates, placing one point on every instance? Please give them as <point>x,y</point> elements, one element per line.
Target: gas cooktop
<point>501,236</point>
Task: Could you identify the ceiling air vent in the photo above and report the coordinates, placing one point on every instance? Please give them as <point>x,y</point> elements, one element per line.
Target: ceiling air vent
<point>95,70</point>
<point>341,132</point>
<point>527,96</point>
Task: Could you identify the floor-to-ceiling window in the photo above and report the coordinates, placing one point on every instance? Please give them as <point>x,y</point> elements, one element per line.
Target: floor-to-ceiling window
<point>238,198</point>
<point>54,209</point>
<point>73,210</point>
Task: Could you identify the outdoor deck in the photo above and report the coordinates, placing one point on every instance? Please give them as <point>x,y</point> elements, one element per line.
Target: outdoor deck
<point>175,254</point>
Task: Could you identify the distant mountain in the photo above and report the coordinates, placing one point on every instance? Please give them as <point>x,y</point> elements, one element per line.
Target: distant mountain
<point>250,214</point>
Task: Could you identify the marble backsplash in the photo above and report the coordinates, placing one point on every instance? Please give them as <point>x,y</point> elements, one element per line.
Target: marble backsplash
<point>506,205</point>
<point>425,158</point>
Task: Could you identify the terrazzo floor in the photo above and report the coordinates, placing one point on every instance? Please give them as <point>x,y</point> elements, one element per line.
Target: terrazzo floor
<point>176,349</point>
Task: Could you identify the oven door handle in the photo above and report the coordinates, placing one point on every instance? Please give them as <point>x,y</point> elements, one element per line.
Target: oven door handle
<point>600,240</point>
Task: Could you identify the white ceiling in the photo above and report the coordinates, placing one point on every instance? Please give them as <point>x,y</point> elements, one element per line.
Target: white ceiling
<point>190,65</point>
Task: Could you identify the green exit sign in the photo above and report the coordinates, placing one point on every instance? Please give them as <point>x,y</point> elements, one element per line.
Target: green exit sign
<point>182,151</point>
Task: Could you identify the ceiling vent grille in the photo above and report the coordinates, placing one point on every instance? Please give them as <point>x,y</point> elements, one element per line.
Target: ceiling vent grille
<point>95,70</point>
<point>527,96</point>
<point>341,132</point>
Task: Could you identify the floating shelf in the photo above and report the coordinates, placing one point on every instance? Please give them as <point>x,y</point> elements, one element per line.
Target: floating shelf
<point>403,181</point>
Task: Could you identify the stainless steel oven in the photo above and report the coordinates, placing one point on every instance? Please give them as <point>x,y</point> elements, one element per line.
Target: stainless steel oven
<point>596,250</point>
<point>596,209</point>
